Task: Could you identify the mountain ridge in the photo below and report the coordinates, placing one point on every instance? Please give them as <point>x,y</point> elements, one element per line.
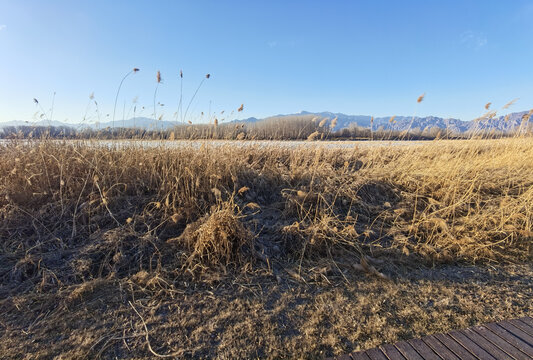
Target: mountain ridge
<point>399,123</point>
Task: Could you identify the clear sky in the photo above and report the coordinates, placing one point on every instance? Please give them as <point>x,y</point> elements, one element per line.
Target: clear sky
<point>356,57</point>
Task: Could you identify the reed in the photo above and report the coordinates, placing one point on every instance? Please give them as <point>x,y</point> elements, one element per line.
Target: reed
<point>133,71</point>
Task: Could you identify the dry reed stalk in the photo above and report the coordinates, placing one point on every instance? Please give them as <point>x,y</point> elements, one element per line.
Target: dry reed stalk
<point>133,71</point>
<point>158,79</point>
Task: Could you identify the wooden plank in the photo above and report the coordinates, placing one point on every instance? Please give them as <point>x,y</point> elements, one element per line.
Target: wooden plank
<point>522,326</point>
<point>487,345</point>
<point>391,352</point>
<point>470,345</point>
<point>376,354</point>
<point>528,320</point>
<point>506,340</point>
<point>517,332</point>
<point>498,341</point>
<point>360,355</point>
<point>425,351</point>
<point>407,351</point>
<point>510,338</point>
<point>454,346</point>
<point>439,348</point>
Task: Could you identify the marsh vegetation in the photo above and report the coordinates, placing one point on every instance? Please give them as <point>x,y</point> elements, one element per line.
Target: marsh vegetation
<point>249,251</point>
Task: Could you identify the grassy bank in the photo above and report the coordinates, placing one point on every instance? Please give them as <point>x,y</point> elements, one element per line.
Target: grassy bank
<point>256,229</point>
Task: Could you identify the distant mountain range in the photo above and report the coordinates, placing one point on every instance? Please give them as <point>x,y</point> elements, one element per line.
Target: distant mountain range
<point>139,122</point>
<point>502,123</point>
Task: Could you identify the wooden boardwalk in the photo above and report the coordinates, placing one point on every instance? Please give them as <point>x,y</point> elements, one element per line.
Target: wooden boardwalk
<point>511,339</point>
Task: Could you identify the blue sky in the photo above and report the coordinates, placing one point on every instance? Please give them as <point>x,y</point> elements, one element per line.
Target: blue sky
<point>356,57</point>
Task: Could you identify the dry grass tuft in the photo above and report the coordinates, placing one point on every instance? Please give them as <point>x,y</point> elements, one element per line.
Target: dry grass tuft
<point>218,238</point>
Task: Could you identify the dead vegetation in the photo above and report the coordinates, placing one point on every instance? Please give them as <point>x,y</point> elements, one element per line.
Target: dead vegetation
<point>219,237</point>
<point>78,220</point>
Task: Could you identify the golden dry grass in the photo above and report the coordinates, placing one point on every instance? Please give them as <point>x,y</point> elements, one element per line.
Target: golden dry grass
<point>445,201</point>
<point>75,217</point>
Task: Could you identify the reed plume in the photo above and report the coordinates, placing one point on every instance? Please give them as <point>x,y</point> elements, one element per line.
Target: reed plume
<point>506,106</point>
<point>333,123</point>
